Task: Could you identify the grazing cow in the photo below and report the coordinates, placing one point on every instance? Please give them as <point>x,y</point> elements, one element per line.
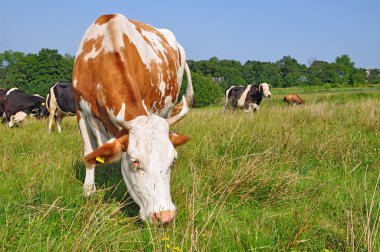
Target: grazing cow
<point>60,102</point>
<point>3,93</point>
<point>18,104</point>
<point>293,99</point>
<point>127,76</point>
<point>247,97</point>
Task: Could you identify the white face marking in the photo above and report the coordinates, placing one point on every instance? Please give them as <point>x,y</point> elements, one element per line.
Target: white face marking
<point>75,83</point>
<point>265,89</point>
<point>243,96</point>
<point>149,144</point>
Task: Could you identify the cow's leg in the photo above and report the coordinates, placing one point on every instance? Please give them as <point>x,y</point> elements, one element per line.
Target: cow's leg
<point>89,145</point>
<point>58,120</point>
<point>10,121</point>
<point>51,118</point>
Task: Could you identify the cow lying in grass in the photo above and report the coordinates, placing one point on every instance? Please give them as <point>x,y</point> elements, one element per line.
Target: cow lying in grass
<point>293,99</point>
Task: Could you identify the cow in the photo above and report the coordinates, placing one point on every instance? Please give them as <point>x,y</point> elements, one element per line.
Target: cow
<point>293,99</point>
<point>3,93</point>
<point>17,104</point>
<point>247,97</point>
<point>60,102</point>
<point>126,78</point>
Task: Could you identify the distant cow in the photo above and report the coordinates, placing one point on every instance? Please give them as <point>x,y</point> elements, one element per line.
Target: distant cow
<point>246,97</point>
<point>17,104</point>
<point>293,99</point>
<point>3,93</point>
<point>60,102</point>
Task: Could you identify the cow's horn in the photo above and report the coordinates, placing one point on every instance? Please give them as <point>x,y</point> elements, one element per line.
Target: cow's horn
<point>185,109</point>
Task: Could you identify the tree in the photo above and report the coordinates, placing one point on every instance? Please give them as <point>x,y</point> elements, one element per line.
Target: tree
<point>34,73</point>
<point>345,69</point>
<point>292,73</point>
<point>373,76</point>
<point>206,91</point>
<point>321,72</point>
<point>259,72</point>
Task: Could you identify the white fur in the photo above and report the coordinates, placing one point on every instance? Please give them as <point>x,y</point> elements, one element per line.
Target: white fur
<point>10,91</point>
<point>265,89</point>
<point>18,118</point>
<point>243,96</point>
<point>149,144</point>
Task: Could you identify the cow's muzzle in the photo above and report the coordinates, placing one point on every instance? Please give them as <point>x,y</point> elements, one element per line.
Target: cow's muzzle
<point>163,216</point>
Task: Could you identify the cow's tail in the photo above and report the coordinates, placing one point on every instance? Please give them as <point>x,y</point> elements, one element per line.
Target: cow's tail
<point>189,95</point>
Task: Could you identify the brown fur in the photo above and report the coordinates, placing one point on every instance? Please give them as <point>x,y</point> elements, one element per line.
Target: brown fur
<point>178,139</point>
<point>293,99</point>
<point>124,81</point>
<point>111,152</point>
<point>113,78</point>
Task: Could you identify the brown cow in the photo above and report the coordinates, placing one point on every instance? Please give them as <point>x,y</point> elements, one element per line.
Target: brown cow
<point>293,99</point>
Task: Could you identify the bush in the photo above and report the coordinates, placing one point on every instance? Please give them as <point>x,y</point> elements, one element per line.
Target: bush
<point>206,91</point>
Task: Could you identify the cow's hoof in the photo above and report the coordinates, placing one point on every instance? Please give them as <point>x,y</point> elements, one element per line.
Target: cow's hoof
<point>88,190</point>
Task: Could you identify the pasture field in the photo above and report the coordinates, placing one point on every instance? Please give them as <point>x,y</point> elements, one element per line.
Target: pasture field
<point>288,178</point>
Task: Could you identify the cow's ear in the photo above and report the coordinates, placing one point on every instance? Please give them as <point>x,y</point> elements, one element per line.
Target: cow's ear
<point>178,139</point>
<point>109,152</point>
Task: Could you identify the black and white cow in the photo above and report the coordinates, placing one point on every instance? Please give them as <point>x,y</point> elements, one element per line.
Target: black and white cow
<point>3,93</point>
<point>18,104</point>
<point>60,102</point>
<point>247,97</point>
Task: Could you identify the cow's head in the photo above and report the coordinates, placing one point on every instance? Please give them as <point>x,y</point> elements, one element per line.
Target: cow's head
<point>147,152</point>
<point>264,88</point>
<point>42,111</point>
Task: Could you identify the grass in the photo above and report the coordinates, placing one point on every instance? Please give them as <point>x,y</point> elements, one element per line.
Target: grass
<point>286,178</point>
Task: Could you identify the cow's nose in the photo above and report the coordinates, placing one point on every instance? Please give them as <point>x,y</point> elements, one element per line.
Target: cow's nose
<point>164,216</point>
<point>269,95</point>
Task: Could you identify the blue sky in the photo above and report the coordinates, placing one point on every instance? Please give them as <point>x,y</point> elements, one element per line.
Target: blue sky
<point>242,30</point>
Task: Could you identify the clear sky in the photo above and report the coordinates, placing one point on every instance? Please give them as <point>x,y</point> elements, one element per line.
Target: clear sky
<point>264,30</point>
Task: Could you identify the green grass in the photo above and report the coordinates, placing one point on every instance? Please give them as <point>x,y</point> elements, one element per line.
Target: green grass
<point>302,178</point>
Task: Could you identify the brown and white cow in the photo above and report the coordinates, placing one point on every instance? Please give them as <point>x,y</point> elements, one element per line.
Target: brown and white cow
<point>293,99</point>
<point>127,76</point>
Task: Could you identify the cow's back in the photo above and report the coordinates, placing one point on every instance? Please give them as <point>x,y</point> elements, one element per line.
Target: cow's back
<point>64,94</point>
<point>127,68</point>
<point>18,100</point>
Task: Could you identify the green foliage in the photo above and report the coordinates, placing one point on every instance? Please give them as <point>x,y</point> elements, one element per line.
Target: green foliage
<point>374,76</point>
<point>292,72</point>
<point>34,73</point>
<point>206,91</point>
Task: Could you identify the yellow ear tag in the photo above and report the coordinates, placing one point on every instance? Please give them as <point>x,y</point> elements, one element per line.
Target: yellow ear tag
<point>43,104</point>
<point>100,159</point>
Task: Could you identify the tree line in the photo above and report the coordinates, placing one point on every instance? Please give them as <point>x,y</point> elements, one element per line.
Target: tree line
<point>286,72</point>
<point>35,73</point>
